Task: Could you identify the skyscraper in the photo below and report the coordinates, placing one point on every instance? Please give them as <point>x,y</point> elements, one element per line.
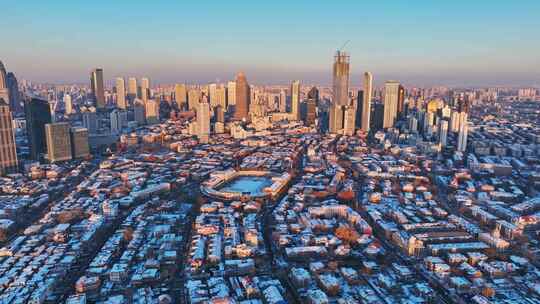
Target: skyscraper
<point>79,142</point>
<point>194,98</point>
<point>145,89</point>
<point>219,114</point>
<point>4,91</point>
<point>366,102</point>
<point>391,95</point>
<point>282,101</point>
<point>341,79</point>
<point>231,93</point>
<point>359,108</point>
<point>8,151</point>
<point>463,108</point>
<point>89,120</point>
<point>295,100</point>
<point>138,112</point>
<point>118,120</point>
<point>58,141</point>
<point>180,95</point>
<point>335,119</point>
<point>14,94</point>
<point>121,93</point>
<point>212,88</point>
<point>132,88</point>
<point>377,114</point>
<point>221,97</point>
<point>38,113</point>
<point>443,132</point>
<point>463,133</point>
<point>242,97</point>
<point>401,101</point>
<point>152,111</point>
<point>312,102</point>
<point>203,121</point>
<point>68,105</point>
<point>97,86</point>
<point>349,118</point>
<point>340,91</point>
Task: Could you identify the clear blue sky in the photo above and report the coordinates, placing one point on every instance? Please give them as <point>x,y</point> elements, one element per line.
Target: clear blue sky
<point>455,42</point>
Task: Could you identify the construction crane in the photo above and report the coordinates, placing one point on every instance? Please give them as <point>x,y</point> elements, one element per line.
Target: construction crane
<point>343,46</point>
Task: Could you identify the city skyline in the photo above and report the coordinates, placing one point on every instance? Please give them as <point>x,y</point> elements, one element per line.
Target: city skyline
<point>420,44</point>
<point>303,152</point>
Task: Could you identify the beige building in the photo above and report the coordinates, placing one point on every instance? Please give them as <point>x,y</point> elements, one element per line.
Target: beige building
<point>132,88</point>
<point>366,102</point>
<point>231,93</point>
<point>180,95</point>
<point>145,89</point>
<point>295,100</point>
<point>203,121</point>
<point>8,152</point>
<point>121,93</point>
<point>152,111</point>
<point>58,141</point>
<point>194,98</point>
<point>391,96</point>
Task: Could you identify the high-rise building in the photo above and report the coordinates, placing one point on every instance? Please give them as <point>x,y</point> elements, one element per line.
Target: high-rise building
<point>203,121</point>
<point>391,95</point>
<point>295,100</point>
<point>401,101</point>
<point>139,112</point>
<point>132,88</point>
<point>194,98</point>
<point>4,90</point>
<point>463,108</point>
<point>8,151</point>
<point>121,93</point>
<point>14,94</point>
<point>443,132</point>
<point>68,104</point>
<point>377,114</point>
<point>231,93</point>
<point>97,87</point>
<point>335,119</point>
<point>89,120</point>
<point>349,120</point>
<point>180,95</point>
<point>413,124</point>
<point>212,88</point>
<point>282,101</point>
<point>340,91</point>
<point>454,121</point>
<point>38,113</point>
<point>311,109</point>
<point>79,142</point>
<point>242,98</point>
<point>463,132</point>
<point>152,111</point>
<point>359,108</point>
<point>366,101</point>
<point>58,141</point>
<point>341,79</point>
<point>221,97</point>
<point>118,120</point>
<point>145,89</point>
<point>429,119</point>
<point>219,114</point>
